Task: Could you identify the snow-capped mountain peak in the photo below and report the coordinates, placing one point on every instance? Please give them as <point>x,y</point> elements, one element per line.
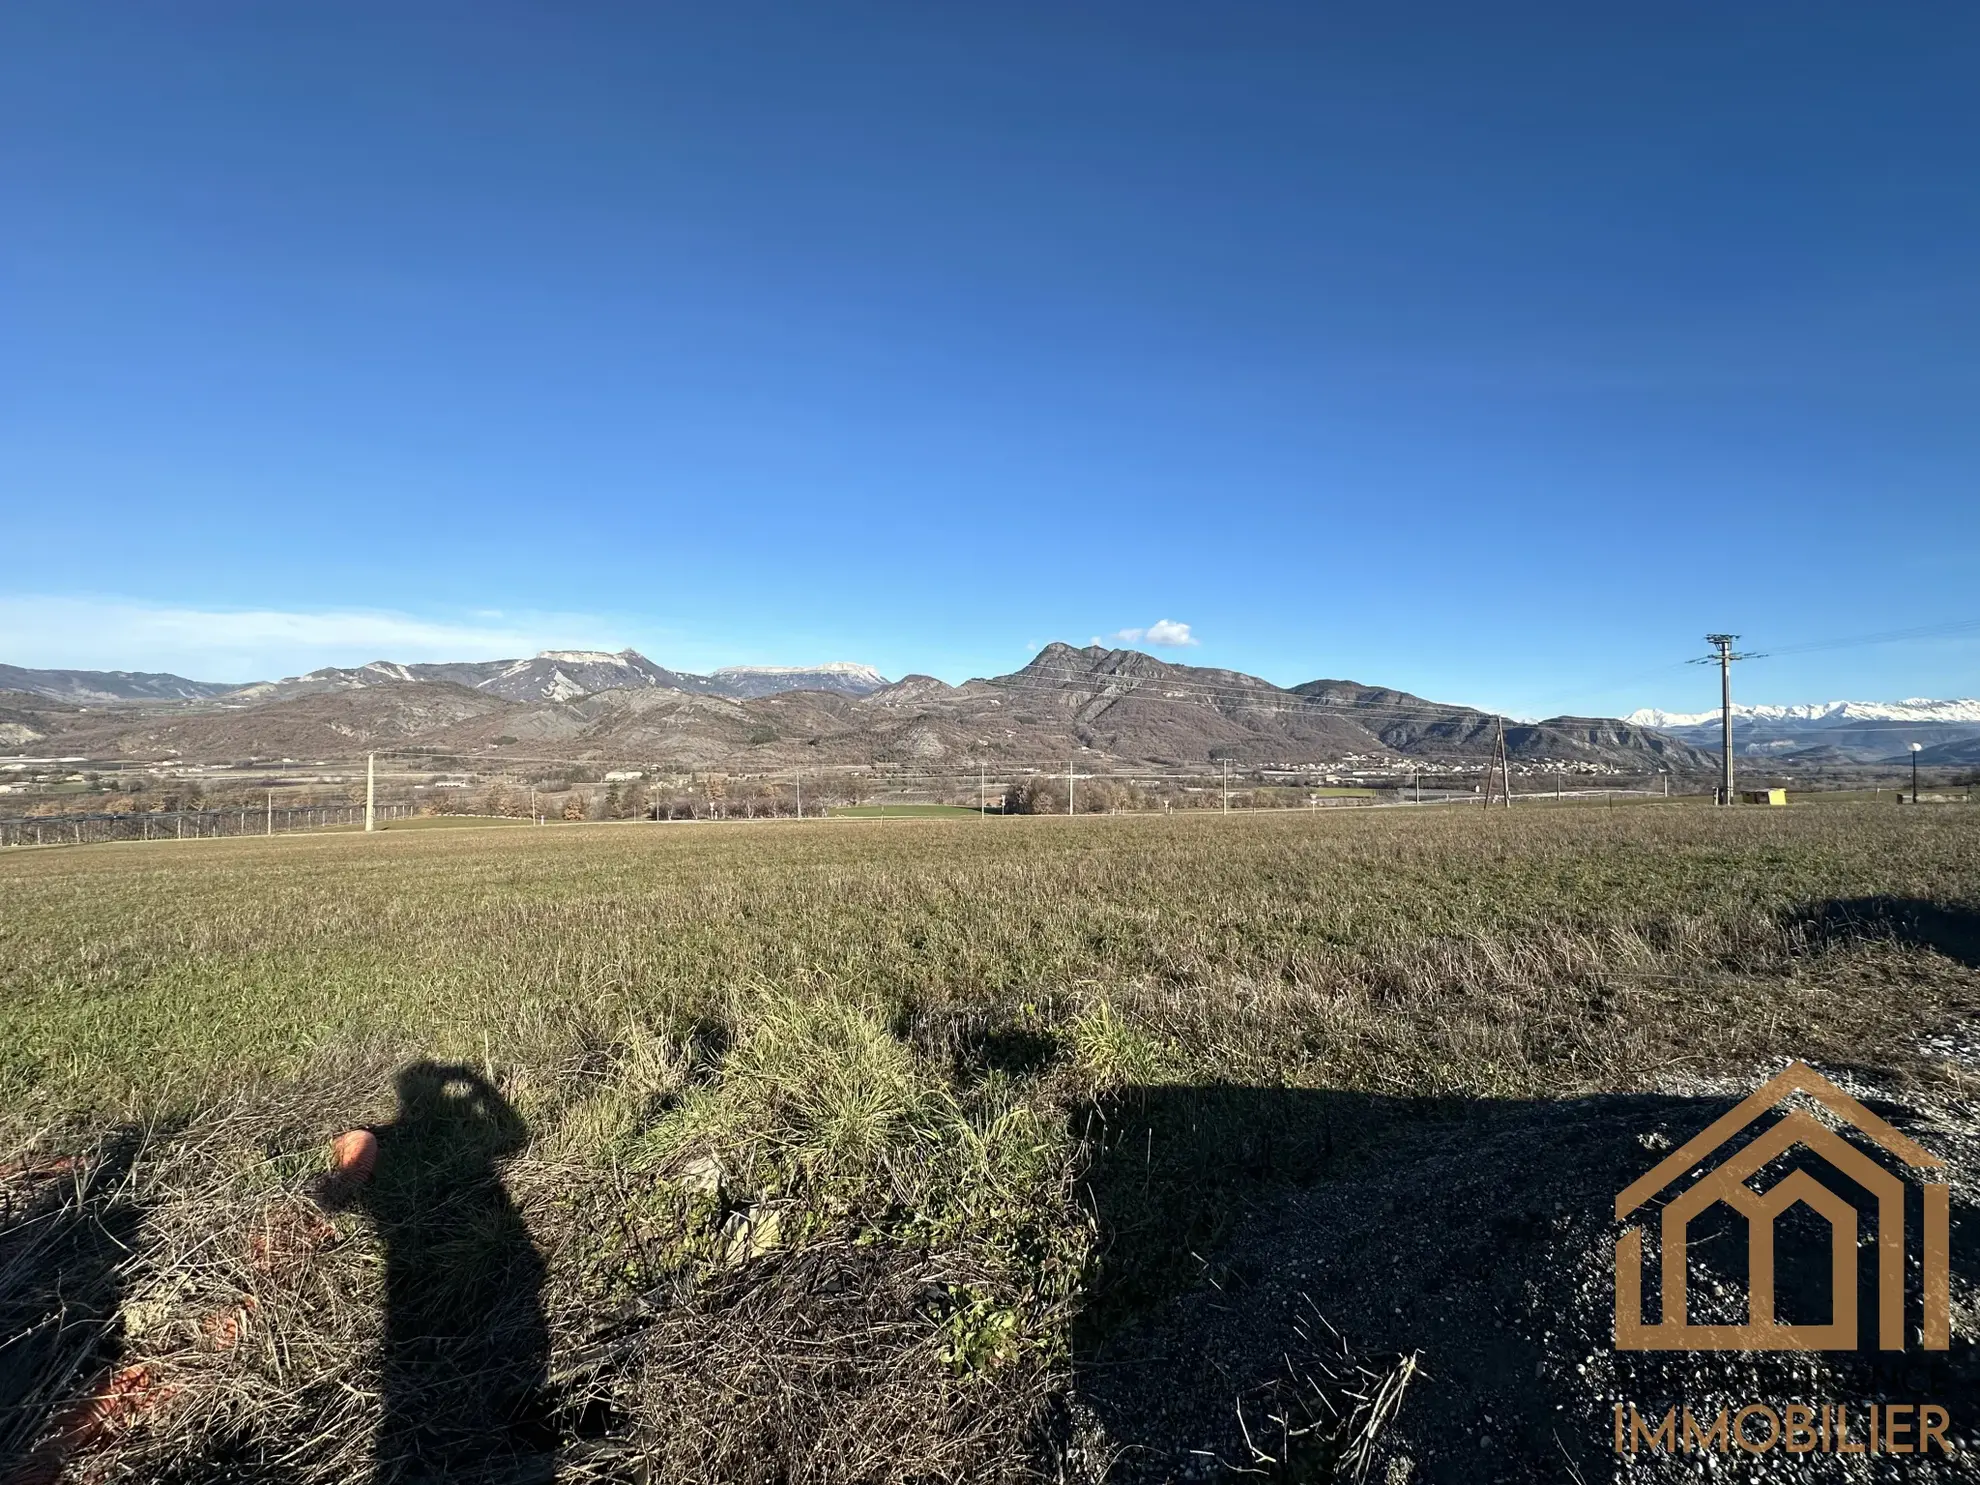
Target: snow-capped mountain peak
<point>627,658</point>
<point>846,668</point>
<point>1913,709</point>
<point>1827,732</point>
<point>833,675</point>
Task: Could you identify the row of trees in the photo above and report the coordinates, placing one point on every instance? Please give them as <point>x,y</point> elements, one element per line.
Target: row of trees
<point>1045,794</point>
<point>627,800</point>
<point>709,796</point>
<point>716,797</point>
<point>700,797</point>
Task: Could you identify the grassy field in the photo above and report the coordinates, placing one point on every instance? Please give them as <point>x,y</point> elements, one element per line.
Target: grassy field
<point>432,822</point>
<point>862,1072</point>
<point>902,811</point>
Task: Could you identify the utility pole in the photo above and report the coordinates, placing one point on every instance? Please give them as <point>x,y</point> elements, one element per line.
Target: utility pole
<point>1500,764</point>
<point>800,796</point>
<point>982,792</point>
<point>271,811</point>
<point>1725,643</point>
<point>1069,786</point>
<point>370,791</point>
<point>1227,786</point>
<point>1914,771</point>
<point>1505,763</point>
<point>1723,656</point>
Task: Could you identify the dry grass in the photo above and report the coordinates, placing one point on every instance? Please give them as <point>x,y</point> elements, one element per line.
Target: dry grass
<point>808,1108</point>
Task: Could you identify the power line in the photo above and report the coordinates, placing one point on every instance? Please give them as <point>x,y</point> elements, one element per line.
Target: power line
<point>1886,637</point>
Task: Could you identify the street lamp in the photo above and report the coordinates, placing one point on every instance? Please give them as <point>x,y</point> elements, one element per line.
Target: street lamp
<point>1914,771</point>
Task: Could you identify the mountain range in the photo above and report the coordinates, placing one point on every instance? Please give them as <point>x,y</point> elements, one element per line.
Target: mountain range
<point>554,675</point>
<point>1108,706</point>
<point>95,687</point>
<point>1838,732</point>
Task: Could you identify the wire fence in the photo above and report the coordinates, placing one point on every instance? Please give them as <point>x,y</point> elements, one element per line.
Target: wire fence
<point>517,788</point>
<point>658,793</point>
<point>81,829</point>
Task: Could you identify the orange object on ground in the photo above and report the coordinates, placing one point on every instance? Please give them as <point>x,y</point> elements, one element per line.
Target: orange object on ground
<point>120,1399</point>
<point>352,1155</point>
<point>225,1327</point>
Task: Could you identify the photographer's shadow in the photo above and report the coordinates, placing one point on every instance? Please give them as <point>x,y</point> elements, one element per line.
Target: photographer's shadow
<point>466,1349</point>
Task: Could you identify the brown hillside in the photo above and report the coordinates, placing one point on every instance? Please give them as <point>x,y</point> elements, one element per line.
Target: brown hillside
<point>1108,707</point>
<point>326,725</point>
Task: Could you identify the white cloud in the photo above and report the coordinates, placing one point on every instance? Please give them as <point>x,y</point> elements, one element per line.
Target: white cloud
<point>261,644</point>
<point>1166,632</point>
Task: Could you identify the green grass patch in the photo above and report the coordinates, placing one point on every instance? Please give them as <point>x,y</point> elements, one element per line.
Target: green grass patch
<point>902,811</point>
<point>433,822</point>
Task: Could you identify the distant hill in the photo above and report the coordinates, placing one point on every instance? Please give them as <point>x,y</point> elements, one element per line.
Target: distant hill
<point>565,675</point>
<point>1107,707</point>
<point>1133,704</point>
<point>554,675</point>
<point>25,718</point>
<point>102,686</point>
<point>1959,752</point>
<point>1410,724</point>
<point>1139,703</point>
<point>1826,731</point>
<point>317,725</point>
<point>767,680</point>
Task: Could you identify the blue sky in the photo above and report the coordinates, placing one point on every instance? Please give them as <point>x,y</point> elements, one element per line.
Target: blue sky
<point>1494,352</point>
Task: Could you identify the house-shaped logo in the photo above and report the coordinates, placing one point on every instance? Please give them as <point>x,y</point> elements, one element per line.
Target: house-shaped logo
<point>1727,1183</point>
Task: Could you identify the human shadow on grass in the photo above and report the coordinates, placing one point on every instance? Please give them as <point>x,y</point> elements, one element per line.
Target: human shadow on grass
<point>466,1348</point>
<point>1269,1255</point>
<point>67,1229</point>
<point>1917,922</point>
